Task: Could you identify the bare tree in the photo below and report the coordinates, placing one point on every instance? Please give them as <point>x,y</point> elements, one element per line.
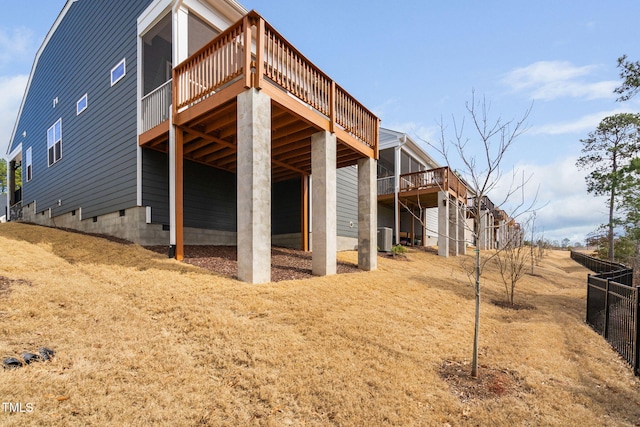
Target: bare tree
<point>482,172</point>
<point>512,262</point>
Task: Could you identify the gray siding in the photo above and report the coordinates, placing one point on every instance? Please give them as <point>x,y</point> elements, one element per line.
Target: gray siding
<point>97,170</point>
<point>155,184</point>
<point>347,201</point>
<point>285,207</point>
<point>209,193</point>
<point>210,196</point>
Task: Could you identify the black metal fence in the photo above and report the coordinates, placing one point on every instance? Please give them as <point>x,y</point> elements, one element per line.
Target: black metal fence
<point>596,264</point>
<point>613,306</point>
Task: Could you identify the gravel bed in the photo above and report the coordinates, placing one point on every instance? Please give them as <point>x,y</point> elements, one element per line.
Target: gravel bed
<point>286,264</point>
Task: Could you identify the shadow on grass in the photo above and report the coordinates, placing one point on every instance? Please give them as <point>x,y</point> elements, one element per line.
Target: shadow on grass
<point>78,248</point>
<point>462,288</point>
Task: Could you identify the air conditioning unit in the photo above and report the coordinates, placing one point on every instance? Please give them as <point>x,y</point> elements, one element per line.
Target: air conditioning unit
<point>384,239</point>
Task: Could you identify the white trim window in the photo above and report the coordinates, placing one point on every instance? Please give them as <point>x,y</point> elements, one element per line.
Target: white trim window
<point>82,104</point>
<point>54,142</point>
<point>29,163</point>
<point>119,71</point>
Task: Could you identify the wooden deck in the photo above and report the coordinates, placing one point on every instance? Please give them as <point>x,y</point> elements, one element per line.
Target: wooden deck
<point>251,54</point>
<point>421,188</point>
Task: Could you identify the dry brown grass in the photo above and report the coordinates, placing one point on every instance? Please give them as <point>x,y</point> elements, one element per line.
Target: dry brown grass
<point>143,340</point>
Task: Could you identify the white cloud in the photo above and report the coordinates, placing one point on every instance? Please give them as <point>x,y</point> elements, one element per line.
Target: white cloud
<point>16,44</point>
<point>548,80</point>
<point>12,89</point>
<point>568,210</point>
<point>582,125</point>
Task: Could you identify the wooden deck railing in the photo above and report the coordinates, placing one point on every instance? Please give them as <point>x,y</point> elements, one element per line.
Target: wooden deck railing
<point>226,59</point>
<point>156,106</point>
<point>216,64</point>
<point>442,178</point>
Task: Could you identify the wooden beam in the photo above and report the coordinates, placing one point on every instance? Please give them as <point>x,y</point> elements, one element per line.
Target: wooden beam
<point>304,212</point>
<point>223,153</point>
<point>355,143</point>
<point>291,128</point>
<point>281,118</point>
<point>287,166</point>
<point>195,146</point>
<point>303,111</point>
<point>208,150</point>
<point>209,137</point>
<point>206,106</point>
<point>294,151</point>
<point>298,136</point>
<point>160,131</point>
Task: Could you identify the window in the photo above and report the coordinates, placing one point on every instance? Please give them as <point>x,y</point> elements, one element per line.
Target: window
<point>118,72</point>
<point>29,162</point>
<point>82,104</point>
<point>54,142</point>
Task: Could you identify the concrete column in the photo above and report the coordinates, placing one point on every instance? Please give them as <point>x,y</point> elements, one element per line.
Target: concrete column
<point>254,187</point>
<point>462,222</point>
<point>323,196</point>
<point>453,227</point>
<point>367,215</point>
<point>443,224</point>
<point>482,233</point>
<point>494,238</point>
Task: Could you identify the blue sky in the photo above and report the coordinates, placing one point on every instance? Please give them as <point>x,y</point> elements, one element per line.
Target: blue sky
<point>413,62</point>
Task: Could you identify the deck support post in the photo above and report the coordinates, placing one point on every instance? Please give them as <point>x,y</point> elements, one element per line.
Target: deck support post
<point>11,172</point>
<point>304,212</point>
<point>462,223</point>
<point>367,214</point>
<point>323,203</point>
<point>396,183</point>
<point>254,187</point>
<point>443,223</point>
<point>423,212</point>
<point>179,194</point>
<point>486,230</point>
<point>494,233</point>
<point>176,188</point>
<point>453,226</point>
<point>482,233</point>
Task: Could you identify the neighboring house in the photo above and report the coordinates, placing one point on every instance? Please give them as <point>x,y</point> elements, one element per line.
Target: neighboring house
<point>426,204</point>
<point>423,203</point>
<point>193,121</point>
